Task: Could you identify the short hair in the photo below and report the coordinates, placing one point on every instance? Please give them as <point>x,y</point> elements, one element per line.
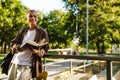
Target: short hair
<point>32,11</point>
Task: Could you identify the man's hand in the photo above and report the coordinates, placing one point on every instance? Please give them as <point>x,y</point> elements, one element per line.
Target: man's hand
<point>15,48</point>
<point>40,52</point>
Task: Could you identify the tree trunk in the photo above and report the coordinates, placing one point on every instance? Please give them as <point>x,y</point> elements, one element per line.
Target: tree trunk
<point>98,47</point>
<point>103,48</point>
<point>4,47</point>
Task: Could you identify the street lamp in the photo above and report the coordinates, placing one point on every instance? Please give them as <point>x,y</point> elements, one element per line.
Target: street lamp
<point>87,7</point>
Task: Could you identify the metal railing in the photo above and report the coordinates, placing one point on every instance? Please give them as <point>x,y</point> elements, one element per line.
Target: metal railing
<point>107,58</point>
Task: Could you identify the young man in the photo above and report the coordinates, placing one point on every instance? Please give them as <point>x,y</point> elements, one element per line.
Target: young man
<point>26,63</point>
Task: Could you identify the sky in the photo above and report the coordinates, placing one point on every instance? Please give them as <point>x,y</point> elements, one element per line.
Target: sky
<point>44,5</point>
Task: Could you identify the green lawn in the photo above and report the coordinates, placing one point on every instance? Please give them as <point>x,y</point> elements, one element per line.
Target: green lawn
<point>1,58</point>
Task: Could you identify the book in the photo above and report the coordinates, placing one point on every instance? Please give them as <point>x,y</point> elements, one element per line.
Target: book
<point>34,45</point>
<point>42,76</point>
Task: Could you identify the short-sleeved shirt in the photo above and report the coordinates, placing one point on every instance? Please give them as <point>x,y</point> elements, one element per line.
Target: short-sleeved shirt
<point>24,57</point>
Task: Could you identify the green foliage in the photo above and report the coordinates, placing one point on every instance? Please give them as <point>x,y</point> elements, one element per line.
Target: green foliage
<point>12,19</point>
<point>55,24</point>
<point>104,24</point>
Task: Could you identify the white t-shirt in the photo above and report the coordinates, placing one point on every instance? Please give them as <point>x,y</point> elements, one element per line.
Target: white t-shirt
<point>24,57</point>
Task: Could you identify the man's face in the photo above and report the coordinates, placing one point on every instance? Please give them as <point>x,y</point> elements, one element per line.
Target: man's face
<point>32,18</point>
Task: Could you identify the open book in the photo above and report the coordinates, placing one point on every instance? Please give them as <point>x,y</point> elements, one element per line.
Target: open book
<point>34,45</point>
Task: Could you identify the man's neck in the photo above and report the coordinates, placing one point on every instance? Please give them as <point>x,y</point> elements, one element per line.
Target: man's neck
<point>32,27</point>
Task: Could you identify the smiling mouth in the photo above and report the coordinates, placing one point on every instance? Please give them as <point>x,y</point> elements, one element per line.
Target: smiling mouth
<point>32,20</point>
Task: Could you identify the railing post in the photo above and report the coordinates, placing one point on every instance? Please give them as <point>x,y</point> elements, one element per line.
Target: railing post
<point>70,65</point>
<point>109,70</point>
<point>84,66</point>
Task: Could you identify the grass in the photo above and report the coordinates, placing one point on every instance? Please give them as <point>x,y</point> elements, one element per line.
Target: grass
<point>1,58</point>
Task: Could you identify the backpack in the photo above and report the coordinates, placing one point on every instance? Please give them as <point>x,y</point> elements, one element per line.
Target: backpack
<point>6,62</point>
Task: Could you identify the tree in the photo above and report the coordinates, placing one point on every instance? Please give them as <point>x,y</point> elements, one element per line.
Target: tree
<point>103,24</point>
<point>57,34</point>
<point>103,21</point>
<point>12,19</point>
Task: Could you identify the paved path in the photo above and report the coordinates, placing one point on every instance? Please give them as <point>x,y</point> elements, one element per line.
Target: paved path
<point>60,67</point>
<point>57,68</point>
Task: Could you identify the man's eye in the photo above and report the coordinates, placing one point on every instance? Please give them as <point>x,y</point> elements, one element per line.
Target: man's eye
<point>35,16</point>
<point>30,16</point>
